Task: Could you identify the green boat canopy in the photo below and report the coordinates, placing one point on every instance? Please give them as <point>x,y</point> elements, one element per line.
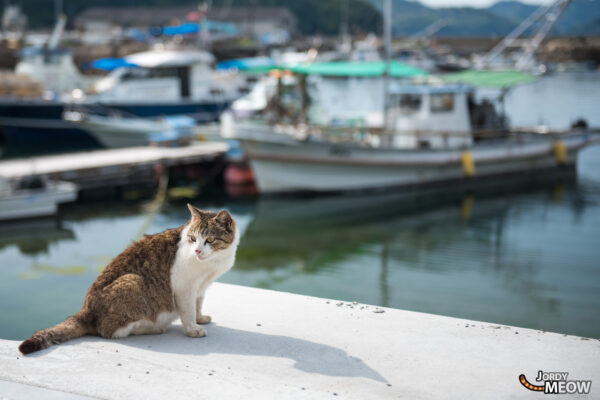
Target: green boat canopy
<point>351,68</point>
<point>357,68</point>
<point>499,79</point>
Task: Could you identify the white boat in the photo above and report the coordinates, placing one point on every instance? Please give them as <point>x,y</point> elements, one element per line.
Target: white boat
<point>33,197</point>
<point>434,134</point>
<point>167,82</point>
<point>115,129</point>
<point>51,66</point>
<point>284,164</point>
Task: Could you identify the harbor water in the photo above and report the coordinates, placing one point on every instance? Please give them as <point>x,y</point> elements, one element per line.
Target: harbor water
<point>525,254</point>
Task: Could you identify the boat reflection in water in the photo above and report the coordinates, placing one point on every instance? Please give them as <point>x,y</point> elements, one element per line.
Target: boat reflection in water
<point>503,256</point>
<point>33,236</point>
<point>524,255</point>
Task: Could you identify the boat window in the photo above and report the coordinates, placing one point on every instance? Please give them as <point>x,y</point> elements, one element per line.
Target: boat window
<point>149,73</point>
<point>164,72</point>
<point>31,182</point>
<point>410,103</point>
<point>442,102</point>
<point>135,73</point>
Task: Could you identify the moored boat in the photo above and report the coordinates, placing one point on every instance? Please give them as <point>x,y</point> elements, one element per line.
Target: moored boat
<point>116,129</point>
<point>431,133</point>
<point>33,197</point>
<point>285,164</point>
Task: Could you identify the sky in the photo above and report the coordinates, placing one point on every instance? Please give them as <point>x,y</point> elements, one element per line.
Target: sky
<point>474,3</point>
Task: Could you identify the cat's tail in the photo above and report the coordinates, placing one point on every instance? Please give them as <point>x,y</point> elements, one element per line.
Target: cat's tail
<point>71,328</point>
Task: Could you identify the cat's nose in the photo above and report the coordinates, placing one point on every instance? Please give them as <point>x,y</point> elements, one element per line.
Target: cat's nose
<point>198,251</point>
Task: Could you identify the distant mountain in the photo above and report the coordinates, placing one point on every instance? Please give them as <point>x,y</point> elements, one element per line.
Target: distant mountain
<point>514,11</point>
<point>314,16</point>
<point>580,18</point>
<point>593,28</point>
<point>410,17</point>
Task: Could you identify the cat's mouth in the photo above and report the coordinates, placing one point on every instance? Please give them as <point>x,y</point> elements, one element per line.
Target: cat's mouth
<point>201,257</point>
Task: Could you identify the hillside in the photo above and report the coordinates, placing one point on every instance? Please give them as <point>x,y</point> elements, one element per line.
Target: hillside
<point>314,16</point>
<point>580,18</point>
<point>409,16</point>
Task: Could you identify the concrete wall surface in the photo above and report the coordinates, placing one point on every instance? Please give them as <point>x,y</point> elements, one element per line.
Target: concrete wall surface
<point>264,344</point>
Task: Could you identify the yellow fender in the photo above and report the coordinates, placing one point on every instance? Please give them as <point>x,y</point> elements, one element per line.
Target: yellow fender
<point>468,163</point>
<point>560,152</point>
<point>466,207</point>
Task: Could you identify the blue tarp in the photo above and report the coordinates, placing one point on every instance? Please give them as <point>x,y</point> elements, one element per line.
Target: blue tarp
<point>211,26</point>
<point>108,64</point>
<point>184,29</point>
<point>243,64</point>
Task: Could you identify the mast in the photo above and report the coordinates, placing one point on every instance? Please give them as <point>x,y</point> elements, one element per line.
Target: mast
<point>346,45</point>
<point>548,14</point>
<point>387,43</point>
<point>527,60</point>
<point>58,10</point>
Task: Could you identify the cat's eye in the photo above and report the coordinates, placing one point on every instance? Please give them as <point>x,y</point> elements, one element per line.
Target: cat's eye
<point>192,238</point>
<point>210,240</point>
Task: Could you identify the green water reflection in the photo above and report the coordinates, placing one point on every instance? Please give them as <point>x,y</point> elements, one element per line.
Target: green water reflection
<point>525,255</point>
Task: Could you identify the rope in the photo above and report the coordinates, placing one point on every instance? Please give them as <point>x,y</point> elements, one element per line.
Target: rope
<point>152,208</point>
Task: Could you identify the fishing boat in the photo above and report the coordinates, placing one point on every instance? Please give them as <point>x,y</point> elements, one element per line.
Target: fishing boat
<point>114,128</point>
<point>33,197</point>
<point>427,131</point>
<point>167,82</point>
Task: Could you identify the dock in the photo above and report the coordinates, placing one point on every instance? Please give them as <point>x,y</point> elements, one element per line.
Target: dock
<point>113,167</point>
<point>264,344</point>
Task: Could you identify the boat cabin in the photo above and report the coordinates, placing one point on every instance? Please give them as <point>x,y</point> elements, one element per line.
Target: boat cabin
<point>430,116</point>
<point>418,112</point>
<point>166,76</point>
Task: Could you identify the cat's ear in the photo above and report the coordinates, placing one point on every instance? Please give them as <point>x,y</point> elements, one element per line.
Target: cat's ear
<point>194,211</point>
<point>224,219</point>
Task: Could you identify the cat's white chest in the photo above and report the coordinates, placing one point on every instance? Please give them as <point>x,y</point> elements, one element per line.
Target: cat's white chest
<point>190,275</point>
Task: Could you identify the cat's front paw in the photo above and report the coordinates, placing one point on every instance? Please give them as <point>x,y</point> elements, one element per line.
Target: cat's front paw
<point>203,319</point>
<point>197,331</point>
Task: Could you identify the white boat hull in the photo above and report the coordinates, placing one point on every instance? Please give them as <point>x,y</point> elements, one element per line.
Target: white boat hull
<point>285,165</point>
<point>115,132</point>
<point>123,135</point>
<point>36,202</point>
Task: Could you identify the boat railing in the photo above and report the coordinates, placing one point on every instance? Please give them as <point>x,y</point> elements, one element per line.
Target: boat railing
<point>377,135</point>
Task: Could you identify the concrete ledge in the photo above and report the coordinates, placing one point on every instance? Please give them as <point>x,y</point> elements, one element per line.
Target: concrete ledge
<point>267,344</point>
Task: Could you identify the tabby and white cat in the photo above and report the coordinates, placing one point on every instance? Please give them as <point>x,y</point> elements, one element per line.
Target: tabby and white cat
<point>151,283</point>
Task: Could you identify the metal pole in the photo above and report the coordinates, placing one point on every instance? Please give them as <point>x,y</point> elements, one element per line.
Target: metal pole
<point>58,9</point>
<point>345,42</point>
<point>387,41</point>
